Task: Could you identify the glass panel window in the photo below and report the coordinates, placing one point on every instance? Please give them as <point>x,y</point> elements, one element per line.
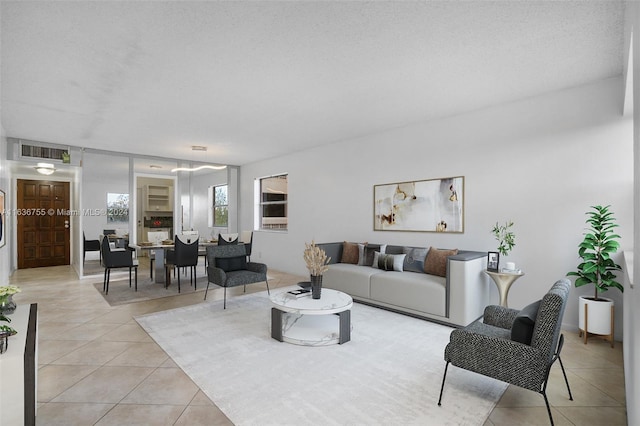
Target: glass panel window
<point>220,206</point>
<point>273,208</point>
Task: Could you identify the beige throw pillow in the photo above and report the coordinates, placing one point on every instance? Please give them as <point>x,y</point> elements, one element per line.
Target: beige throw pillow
<point>350,253</point>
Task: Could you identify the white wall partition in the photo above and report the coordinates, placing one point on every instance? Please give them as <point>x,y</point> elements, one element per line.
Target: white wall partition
<point>540,162</point>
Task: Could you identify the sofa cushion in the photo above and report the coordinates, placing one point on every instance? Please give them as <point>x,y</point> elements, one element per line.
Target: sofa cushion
<point>349,253</point>
<point>414,261</point>
<point>391,262</point>
<point>361,255</point>
<point>419,292</point>
<point>229,264</point>
<point>370,250</point>
<point>436,261</point>
<point>351,279</point>
<point>523,324</point>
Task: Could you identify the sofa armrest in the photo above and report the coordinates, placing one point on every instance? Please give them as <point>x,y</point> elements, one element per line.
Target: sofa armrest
<point>257,267</point>
<point>467,287</point>
<point>216,275</point>
<point>499,316</point>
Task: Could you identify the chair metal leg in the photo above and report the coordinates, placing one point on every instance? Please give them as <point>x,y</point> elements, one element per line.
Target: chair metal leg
<point>565,378</point>
<point>267,281</point>
<point>546,401</point>
<point>443,379</point>
<point>104,280</point>
<point>206,291</point>
<point>108,278</point>
<point>129,276</point>
<point>136,276</point>
<point>225,298</point>
<point>151,261</point>
<point>178,281</point>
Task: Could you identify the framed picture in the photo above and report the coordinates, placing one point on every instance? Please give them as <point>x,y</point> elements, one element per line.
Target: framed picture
<point>2,217</point>
<point>434,205</point>
<point>493,259</point>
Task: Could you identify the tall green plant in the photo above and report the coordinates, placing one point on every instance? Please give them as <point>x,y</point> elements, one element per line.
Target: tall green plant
<point>599,244</point>
<point>505,236</point>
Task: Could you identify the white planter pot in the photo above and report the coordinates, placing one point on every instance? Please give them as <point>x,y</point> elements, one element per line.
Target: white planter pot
<point>599,320</point>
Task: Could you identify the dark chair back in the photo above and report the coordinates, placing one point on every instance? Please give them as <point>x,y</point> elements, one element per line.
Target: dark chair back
<point>185,254</point>
<point>247,239</point>
<point>115,259</point>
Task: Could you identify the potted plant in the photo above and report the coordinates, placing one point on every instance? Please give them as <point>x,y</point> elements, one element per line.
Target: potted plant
<point>317,264</point>
<point>595,314</point>
<point>7,305</point>
<point>5,332</point>
<point>505,237</point>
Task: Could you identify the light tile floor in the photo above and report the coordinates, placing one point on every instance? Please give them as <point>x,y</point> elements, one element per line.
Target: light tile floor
<point>97,366</point>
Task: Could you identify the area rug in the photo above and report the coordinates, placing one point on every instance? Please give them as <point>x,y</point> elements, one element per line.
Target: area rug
<point>389,373</point>
<point>121,294</point>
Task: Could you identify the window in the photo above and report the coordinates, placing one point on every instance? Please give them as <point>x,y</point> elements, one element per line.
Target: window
<point>220,206</point>
<point>117,207</point>
<point>273,210</point>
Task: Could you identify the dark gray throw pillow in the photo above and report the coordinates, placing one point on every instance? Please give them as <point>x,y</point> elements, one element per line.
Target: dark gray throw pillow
<point>522,328</point>
<point>229,264</point>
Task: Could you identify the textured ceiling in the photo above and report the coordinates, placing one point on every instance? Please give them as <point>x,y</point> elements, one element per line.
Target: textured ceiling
<point>253,80</point>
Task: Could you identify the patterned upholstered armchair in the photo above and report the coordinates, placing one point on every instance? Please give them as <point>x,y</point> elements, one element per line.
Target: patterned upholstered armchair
<point>517,347</point>
<point>228,267</point>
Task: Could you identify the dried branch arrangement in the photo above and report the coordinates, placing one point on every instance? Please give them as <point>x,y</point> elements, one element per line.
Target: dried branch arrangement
<point>316,259</point>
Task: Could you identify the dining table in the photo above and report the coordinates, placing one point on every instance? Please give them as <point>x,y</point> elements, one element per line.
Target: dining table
<point>160,250</point>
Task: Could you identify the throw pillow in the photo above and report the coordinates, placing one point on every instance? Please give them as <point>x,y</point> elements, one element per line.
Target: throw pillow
<point>369,253</point>
<point>436,261</point>
<point>229,264</point>
<point>414,261</point>
<point>361,255</point>
<point>522,328</point>
<point>349,253</point>
<point>391,262</point>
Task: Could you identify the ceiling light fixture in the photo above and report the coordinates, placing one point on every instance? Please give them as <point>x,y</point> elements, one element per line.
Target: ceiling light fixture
<point>45,168</point>
<point>195,169</point>
<point>155,166</point>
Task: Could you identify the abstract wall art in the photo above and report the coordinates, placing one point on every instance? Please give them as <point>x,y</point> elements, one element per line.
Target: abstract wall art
<point>433,205</point>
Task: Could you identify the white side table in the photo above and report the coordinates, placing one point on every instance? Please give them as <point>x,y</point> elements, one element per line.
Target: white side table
<point>503,281</point>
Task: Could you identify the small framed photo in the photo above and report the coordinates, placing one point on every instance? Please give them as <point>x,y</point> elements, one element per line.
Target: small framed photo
<point>493,258</point>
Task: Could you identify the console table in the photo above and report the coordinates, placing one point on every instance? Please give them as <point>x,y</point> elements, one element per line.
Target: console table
<point>18,369</point>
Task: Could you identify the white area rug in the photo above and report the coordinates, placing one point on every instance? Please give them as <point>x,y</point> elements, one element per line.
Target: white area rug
<point>389,373</point>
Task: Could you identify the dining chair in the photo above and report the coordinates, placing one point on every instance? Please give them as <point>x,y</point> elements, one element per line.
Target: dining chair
<point>184,254</point>
<point>114,259</point>
<point>227,239</point>
<point>90,245</point>
<point>247,239</point>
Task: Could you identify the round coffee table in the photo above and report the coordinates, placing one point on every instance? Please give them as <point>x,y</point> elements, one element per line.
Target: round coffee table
<point>312,322</point>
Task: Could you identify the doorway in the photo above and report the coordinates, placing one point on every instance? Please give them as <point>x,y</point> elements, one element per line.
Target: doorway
<point>42,218</point>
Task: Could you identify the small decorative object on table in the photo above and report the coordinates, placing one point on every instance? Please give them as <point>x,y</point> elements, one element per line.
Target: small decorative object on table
<point>493,258</point>
<point>7,305</point>
<point>301,292</point>
<point>317,264</point>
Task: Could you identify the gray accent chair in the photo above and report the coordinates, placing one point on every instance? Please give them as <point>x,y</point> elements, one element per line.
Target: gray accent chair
<point>227,266</point>
<point>490,345</point>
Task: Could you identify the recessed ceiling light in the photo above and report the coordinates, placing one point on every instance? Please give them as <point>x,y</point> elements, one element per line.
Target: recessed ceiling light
<point>155,166</point>
<point>198,148</point>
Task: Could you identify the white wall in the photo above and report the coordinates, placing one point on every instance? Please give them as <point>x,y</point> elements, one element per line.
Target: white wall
<point>5,251</point>
<point>540,162</point>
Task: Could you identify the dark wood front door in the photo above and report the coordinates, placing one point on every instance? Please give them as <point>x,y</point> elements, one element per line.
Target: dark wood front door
<point>43,223</point>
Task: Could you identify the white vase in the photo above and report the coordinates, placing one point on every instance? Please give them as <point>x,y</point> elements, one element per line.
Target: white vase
<point>599,320</point>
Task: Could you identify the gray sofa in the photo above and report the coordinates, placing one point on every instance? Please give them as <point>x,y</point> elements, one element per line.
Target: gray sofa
<point>458,298</point>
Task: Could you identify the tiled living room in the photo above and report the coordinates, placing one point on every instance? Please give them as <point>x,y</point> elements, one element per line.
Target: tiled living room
<point>289,119</point>
<point>98,366</point>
